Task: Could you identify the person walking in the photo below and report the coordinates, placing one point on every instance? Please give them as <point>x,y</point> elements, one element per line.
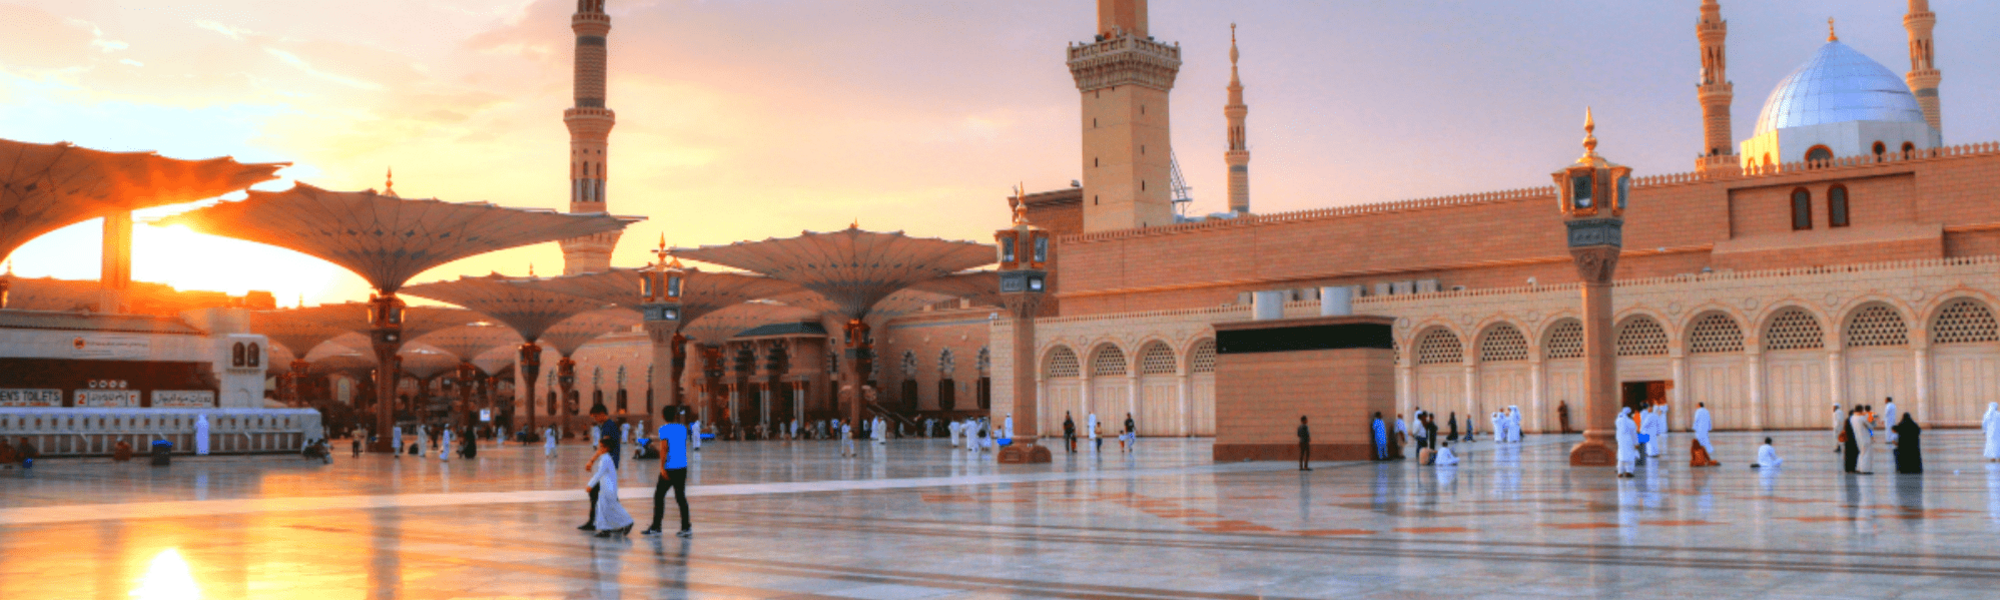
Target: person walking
<point>607,515</point>
<point>1069,432</point>
<point>673,445</point>
<point>549,442</point>
<point>605,433</point>
<point>1305,444</point>
<point>1131,438</point>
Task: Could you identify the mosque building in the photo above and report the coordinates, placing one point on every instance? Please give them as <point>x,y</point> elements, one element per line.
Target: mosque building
<point>1841,255</point>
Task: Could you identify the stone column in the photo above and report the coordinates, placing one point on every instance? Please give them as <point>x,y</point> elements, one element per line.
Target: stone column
<point>1538,401</point>
<point>1836,374</point>
<point>1675,395</point>
<point>1920,347</point>
<point>1471,387</point>
<point>1754,371</point>
<point>1595,266</point>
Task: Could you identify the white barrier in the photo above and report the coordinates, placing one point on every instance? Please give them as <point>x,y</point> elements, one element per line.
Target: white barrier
<point>94,431</point>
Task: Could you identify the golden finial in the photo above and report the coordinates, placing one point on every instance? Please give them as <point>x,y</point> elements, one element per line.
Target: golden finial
<point>1232,44</point>
<point>1830,35</point>
<point>531,269</point>
<point>389,185</point>
<point>1019,203</point>
<point>856,224</point>
<point>667,258</point>
<point>1589,133</point>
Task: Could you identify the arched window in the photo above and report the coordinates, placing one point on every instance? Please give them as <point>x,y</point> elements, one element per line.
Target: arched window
<point>1439,346</point>
<point>1880,150</point>
<point>1565,340</point>
<point>1793,329</point>
<point>236,355</point>
<point>1503,343</point>
<point>1819,154</point>
<point>1767,159</point>
<point>1877,325</point>
<point>1965,321</point>
<point>1909,149</point>
<point>1836,206</point>
<point>1715,333</point>
<point>1109,361</point>
<point>1801,210</point>
<point>256,356</point>
<point>1202,358</point>
<point>1157,359</point>
<point>1640,335</point>
<point>1062,362</point>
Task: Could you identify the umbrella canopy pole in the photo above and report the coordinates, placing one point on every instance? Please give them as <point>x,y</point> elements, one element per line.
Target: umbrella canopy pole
<point>861,361</point>
<point>116,276</point>
<point>528,371</point>
<point>385,316</point>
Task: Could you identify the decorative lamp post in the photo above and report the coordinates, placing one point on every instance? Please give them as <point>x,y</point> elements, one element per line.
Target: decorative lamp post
<point>385,334</point>
<point>1593,192</point>
<point>661,310</point>
<point>1024,276</point>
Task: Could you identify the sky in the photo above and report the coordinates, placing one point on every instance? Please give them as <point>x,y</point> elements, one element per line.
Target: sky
<point>750,119</point>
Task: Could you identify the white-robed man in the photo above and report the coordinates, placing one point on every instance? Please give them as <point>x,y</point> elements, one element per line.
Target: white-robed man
<point>1702,425</point>
<point>422,436</point>
<point>549,442</point>
<point>1990,424</point>
<point>444,448</point>
<point>694,436</point>
<point>846,440</point>
<point>1649,423</point>
<point>1627,439</point>
<point>1767,457</point>
<point>1090,426</point>
<point>951,429</point>
<point>1514,424</point>
<point>1009,431</point>
<point>1445,457</point>
<point>624,433</point>
<point>1839,423</point>
<point>396,441</point>
<point>1402,432</point>
<point>1889,418</point>
<point>1864,436</point>
<point>201,435</point>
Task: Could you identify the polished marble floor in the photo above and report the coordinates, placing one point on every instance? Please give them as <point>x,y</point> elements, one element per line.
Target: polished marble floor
<point>915,519</point>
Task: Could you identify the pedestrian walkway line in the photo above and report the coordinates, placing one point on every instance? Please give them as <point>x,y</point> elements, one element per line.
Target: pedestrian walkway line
<point>635,490</point>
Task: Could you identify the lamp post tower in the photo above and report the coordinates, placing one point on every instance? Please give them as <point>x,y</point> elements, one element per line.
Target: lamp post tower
<point>662,310</point>
<point>1593,193</point>
<point>1024,276</point>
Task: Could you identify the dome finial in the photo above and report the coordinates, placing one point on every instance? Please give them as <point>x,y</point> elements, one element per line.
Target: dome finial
<point>1589,133</point>
<point>1232,44</point>
<point>389,183</point>
<point>1831,36</point>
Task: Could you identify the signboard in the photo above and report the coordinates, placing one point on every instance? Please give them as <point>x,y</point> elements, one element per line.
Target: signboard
<point>31,398</point>
<point>111,346</point>
<point>183,399</point>
<point>485,415</point>
<point>107,398</point>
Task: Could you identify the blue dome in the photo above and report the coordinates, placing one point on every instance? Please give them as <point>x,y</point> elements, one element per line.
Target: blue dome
<point>1839,85</point>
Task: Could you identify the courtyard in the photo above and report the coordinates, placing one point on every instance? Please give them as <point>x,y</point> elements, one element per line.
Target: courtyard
<point>916,519</point>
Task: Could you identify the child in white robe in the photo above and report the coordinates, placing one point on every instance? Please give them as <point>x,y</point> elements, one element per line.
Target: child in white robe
<point>549,442</point>
<point>611,516</point>
<point>1767,457</point>
<point>1445,457</point>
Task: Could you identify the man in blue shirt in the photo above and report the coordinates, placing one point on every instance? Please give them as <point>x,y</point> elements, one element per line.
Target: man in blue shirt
<point>673,470</point>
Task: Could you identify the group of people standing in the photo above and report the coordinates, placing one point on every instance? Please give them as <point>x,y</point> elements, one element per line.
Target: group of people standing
<point>1128,439</point>
<point>1855,432</point>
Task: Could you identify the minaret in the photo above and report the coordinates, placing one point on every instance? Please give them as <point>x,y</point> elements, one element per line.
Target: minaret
<point>1125,77</point>
<point>1924,76</point>
<point>589,139</point>
<point>1238,156</point>
<point>1716,93</point>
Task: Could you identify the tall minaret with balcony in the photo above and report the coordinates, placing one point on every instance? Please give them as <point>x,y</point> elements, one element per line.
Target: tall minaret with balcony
<point>1238,156</point>
<point>1924,76</point>
<point>1718,151</point>
<point>589,139</point>
<point>1125,77</point>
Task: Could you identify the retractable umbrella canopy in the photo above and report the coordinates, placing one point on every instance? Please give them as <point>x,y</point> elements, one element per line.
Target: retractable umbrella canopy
<point>719,326</point>
<point>851,269</point>
<point>417,320</point>
<point>568,336</point>
<point>45,187</point>
<point>473,339</point>
<point>385,239</point>
<point>702,292</point>
<point>298,330</point>
<point>528,310</point>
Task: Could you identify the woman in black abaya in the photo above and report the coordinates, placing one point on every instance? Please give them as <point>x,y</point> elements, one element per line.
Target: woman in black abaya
<point>1850,447</point>
<point>1909,447</point>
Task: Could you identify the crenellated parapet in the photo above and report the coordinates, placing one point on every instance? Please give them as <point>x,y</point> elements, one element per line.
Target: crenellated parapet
<point>1124,60</point>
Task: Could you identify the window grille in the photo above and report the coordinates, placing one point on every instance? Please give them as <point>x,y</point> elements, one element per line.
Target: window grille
<point>1203,357</point>
<point>1063,363</point>
<point>1157,359</point>
<point>1877,325</point>
<point>1503,343</point>
<point>947,364</point>
<point>1794,329</point>
<point>1715,333</point>
<point>1965,321</point>
<point>1565,340</point>
<point>1642,336</point>
<point>1439,346</point>
<point>909,364</point>
<point>1109,360</point>
<point>985,360</point>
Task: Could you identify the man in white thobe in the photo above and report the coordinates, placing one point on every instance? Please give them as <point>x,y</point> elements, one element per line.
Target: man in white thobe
<point>1010,427</point>
<point>1864,436</point>
<point>1889,419</point>
<point>1090,425</point>
<point>1990,424</point>
<point>1445,457</point>
<point>549,442</point>
<point>1514,424</point>
<point>396,441</point>
<point>1839,421</point>
<point>625,433</point>
<point>952,430</point>
<point>1648,424</point>
<point>1402,432</point>
<point>201,435</point>
<point>694,436</point>
<point>423,436</point>
<point>1767,457</point>
<point>444,448</point>
<point>1627,439</point>
<point>1702,425</point>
